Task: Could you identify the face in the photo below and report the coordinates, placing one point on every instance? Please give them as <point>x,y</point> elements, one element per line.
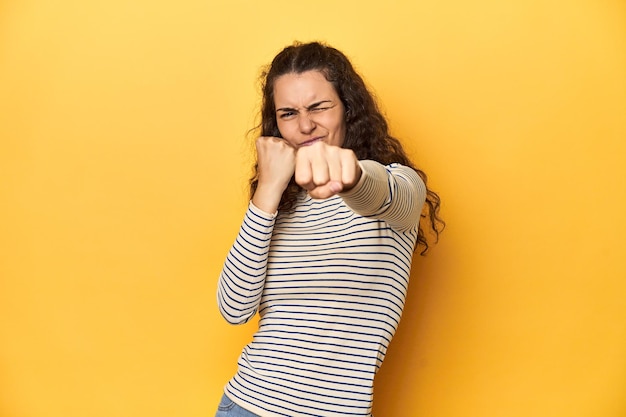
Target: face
<point>308,109</point>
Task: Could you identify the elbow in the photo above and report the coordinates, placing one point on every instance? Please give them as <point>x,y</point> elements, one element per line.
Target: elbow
<point>237,320</point>
<point>234,308</point>
<point>235,317</point>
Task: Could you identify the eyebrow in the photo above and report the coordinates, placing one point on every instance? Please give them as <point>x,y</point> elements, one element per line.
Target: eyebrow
<point>309,107</point>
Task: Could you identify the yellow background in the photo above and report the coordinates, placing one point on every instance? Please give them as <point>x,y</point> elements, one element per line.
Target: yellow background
<point>123,173</point>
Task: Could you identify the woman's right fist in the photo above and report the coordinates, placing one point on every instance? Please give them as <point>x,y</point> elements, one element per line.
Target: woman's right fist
<point>276,161</point>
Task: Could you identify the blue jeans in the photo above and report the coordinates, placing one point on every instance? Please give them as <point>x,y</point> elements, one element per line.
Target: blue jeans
<point>228,408</point>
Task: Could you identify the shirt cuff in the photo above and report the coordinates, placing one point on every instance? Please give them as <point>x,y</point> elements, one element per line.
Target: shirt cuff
<point>260,212</point>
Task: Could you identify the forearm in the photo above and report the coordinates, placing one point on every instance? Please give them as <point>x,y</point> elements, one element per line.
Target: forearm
<point>393,193</point>
<point>267,197</point>
<point>242,278</point>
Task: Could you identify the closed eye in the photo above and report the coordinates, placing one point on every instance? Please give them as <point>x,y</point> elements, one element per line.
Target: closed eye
<point>320,106</point>
<point>319,109</point>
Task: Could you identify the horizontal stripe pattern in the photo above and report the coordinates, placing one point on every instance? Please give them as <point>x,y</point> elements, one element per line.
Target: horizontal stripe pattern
<point>329,281</point>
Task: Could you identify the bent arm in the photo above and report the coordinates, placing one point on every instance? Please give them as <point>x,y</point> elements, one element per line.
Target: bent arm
<point>394,193</point>
<point>242,279</point>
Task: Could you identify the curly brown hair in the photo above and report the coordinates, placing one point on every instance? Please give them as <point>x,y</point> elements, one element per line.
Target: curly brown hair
<point>367,131</point>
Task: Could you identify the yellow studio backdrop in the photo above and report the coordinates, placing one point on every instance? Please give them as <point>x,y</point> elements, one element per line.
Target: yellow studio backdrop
<point>124,164</point>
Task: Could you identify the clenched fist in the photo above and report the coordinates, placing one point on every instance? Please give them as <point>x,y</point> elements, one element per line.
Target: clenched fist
<point>325,170</point>
<point>275,167</point>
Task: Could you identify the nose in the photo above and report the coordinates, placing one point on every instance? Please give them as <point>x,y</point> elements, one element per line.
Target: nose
<point>306,124</point>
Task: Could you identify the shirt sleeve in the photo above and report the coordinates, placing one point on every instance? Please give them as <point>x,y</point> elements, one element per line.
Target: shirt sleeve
<point>394,193</point>
<point>242,279</point>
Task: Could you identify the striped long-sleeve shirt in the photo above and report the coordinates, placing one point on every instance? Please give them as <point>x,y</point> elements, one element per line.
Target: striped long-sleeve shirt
<point>329,281</point>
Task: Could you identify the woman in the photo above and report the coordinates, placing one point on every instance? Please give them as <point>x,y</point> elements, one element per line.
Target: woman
<point>325,248</point>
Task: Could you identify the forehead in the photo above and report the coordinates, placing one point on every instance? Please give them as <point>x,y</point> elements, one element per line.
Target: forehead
<point>294,88</point>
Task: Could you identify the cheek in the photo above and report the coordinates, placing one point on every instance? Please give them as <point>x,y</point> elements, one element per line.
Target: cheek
<point>342,134</point>
<point>283,128</point>
<point>286,130</point>
<point>340,126</point>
